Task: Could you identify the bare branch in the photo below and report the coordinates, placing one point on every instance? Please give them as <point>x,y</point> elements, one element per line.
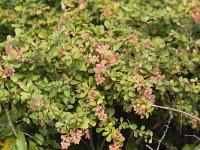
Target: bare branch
<point>177,110</point>
<point>164,134</point>
<point>198,138</point>
<point>149,147</point>
<point>10,122</point>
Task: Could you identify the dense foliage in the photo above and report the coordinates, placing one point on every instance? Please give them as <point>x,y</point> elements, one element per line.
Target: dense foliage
<point>95,74</point>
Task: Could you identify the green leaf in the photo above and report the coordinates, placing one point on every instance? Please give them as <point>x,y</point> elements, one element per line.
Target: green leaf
<point>18,8</point>
<point>21,141</point>
<point>74,82</point>
<point>105,133</point>
<point>32,146</point>
<point>110,112</point>
<point>109,138</point>
<point>18,31</point>
<point>78,77</point>
<point>39,138</point>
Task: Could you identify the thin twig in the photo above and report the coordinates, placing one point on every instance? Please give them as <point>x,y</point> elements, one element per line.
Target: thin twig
<point>128,140</point>
<point>30,136</point>
<point>10,122</point>
<point>193,136</point>
<point>177,110</point>
<point>91,141</point>
<point>128,37</point>
<point>1,125</point>
<point>164,134</point>
<point>102,144</point>
<point>149,147</point>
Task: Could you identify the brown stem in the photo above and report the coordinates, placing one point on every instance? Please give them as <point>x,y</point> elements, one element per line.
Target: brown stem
<point>10,122</point>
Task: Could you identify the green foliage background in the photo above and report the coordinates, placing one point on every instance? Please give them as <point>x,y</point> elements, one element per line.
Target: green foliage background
<point>47,95</point>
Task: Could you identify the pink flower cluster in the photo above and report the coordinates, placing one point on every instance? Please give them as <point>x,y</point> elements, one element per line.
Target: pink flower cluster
<point>113,58</point>
<point>100,112</point>
<point>1,71</point>
<point>147,45</point>
<point>74,136</point>
<point>80,47</point>
<point>148,95</point>
<point>33,105</point>
<point>11,51</point>
<point>100,68</point>
<point>140,110</point>
<point>114,147</point>
<point>196,16</point>
<point>85,36</point>
<point>91,58</point>
<point>102,48</point>
<point>91,95</point>
<point>118,137</point>
<point>158,75</point>
<point>100,80</point>
<point>9,48</point>
<point>134,39</point>
<point>10,71</point>
<point>138,86</point>
<point>87,134</point>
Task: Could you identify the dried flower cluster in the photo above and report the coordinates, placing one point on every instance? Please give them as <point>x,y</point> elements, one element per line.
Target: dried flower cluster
<point>194,122</point>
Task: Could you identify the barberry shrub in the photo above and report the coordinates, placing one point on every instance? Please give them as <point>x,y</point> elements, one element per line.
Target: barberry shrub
<point>98,74</point>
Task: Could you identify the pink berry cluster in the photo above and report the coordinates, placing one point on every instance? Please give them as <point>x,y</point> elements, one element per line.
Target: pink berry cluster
<point>74,136</point>
<point>196,15</point>
<point>117,141</point>
<point>99,111</point>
